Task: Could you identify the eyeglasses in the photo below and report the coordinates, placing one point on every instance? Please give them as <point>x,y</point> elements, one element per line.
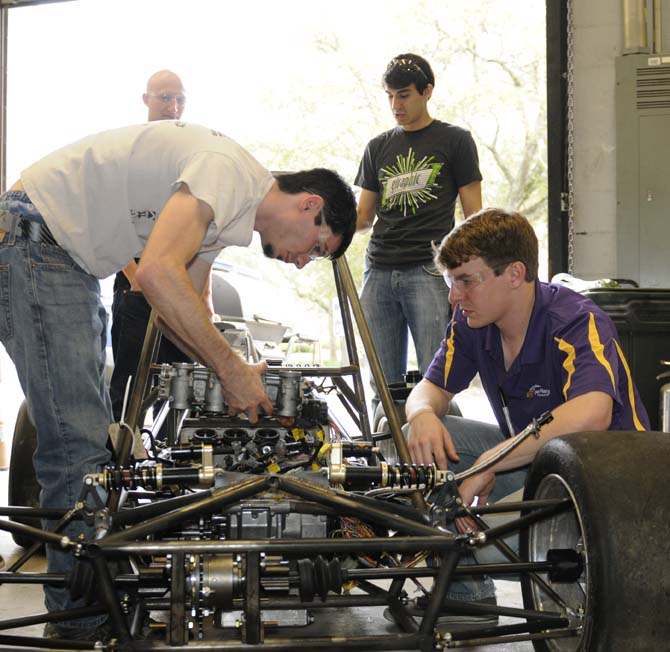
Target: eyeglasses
<point>319,250</point>
<point>464,283</point>
<point>168,98</point>
<point>468,282</point>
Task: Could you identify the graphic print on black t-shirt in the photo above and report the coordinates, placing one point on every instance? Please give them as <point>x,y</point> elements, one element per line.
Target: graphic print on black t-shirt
<point>409,184</point>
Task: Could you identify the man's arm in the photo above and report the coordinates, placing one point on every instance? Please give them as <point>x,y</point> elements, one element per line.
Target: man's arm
<point>590,411</point>
<point>197,271</point>
<point>367,210</point>
<point>175,293</point>
<point>471,197</point>
<point>429,441</point>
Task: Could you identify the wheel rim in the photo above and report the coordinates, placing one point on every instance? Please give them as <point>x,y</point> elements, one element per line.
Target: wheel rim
<point>564,530</point>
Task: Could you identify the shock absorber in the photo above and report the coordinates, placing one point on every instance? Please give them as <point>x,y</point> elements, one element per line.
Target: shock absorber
<point>156,476</point>
<point>412,476</point>
<point>399,476</point>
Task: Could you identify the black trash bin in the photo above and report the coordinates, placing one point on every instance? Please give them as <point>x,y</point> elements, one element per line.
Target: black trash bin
<point>642,318</point>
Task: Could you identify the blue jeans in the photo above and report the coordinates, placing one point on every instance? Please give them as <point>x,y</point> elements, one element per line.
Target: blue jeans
<point>53,325</point>
<point>400,301</point>
<point>471,439</point>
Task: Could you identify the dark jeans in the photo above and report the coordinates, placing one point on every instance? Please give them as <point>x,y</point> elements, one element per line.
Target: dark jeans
<point>130,316</point>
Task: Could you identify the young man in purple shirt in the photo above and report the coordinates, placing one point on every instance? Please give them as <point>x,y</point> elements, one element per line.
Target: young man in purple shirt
<point>537,347</point>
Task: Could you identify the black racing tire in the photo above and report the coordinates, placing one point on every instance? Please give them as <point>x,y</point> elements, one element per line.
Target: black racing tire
<point>23,489</point>
<point>620,524</point>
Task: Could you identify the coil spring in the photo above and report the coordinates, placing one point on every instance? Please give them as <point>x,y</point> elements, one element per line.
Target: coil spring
<point>411,476</point>
<point>118,478</point>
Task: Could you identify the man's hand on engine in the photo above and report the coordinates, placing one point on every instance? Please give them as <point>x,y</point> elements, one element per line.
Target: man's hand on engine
<point>430,441</point>
<point>243,389</point>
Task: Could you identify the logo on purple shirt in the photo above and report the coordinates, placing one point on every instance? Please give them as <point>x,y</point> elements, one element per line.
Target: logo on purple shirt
<point>535,391</point>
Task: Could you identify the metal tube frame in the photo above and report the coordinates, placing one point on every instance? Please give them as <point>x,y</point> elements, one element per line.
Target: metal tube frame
<point>415,533</point>
<point>419,537</point>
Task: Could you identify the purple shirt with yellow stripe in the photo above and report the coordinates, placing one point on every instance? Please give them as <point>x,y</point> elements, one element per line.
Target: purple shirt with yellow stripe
<point>571,348</point>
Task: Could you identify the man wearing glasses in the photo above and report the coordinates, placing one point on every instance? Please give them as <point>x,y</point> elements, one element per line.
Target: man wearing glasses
<point>411,177</point>
<point>173,194</point>
<point>165,99</point>
<point>537,347</point>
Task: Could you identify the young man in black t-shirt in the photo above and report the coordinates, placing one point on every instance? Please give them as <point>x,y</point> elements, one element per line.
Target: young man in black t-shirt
<point>411,177</point>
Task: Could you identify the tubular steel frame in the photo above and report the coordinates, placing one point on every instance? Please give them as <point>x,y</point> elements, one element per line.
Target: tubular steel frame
<point>129,529</point>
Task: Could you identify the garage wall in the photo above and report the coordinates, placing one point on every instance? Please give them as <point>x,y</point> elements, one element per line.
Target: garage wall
<point>598,39</point>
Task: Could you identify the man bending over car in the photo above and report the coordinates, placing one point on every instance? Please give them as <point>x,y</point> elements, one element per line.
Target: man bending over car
<point>173,194</point>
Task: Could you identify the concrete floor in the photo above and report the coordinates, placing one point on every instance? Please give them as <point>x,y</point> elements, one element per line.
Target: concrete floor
<point>21,600</point>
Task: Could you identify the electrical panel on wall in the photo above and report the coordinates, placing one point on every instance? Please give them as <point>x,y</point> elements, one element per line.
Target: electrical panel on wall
<point>643,168</point>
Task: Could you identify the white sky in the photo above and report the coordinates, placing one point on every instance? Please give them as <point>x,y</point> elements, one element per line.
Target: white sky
<point>80,67</point>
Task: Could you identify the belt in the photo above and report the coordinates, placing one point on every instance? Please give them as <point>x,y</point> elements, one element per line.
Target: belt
<point>35,231</point>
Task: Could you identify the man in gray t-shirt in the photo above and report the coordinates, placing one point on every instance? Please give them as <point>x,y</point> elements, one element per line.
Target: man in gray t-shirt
<point>174,195</point>
<point>411,177</point>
